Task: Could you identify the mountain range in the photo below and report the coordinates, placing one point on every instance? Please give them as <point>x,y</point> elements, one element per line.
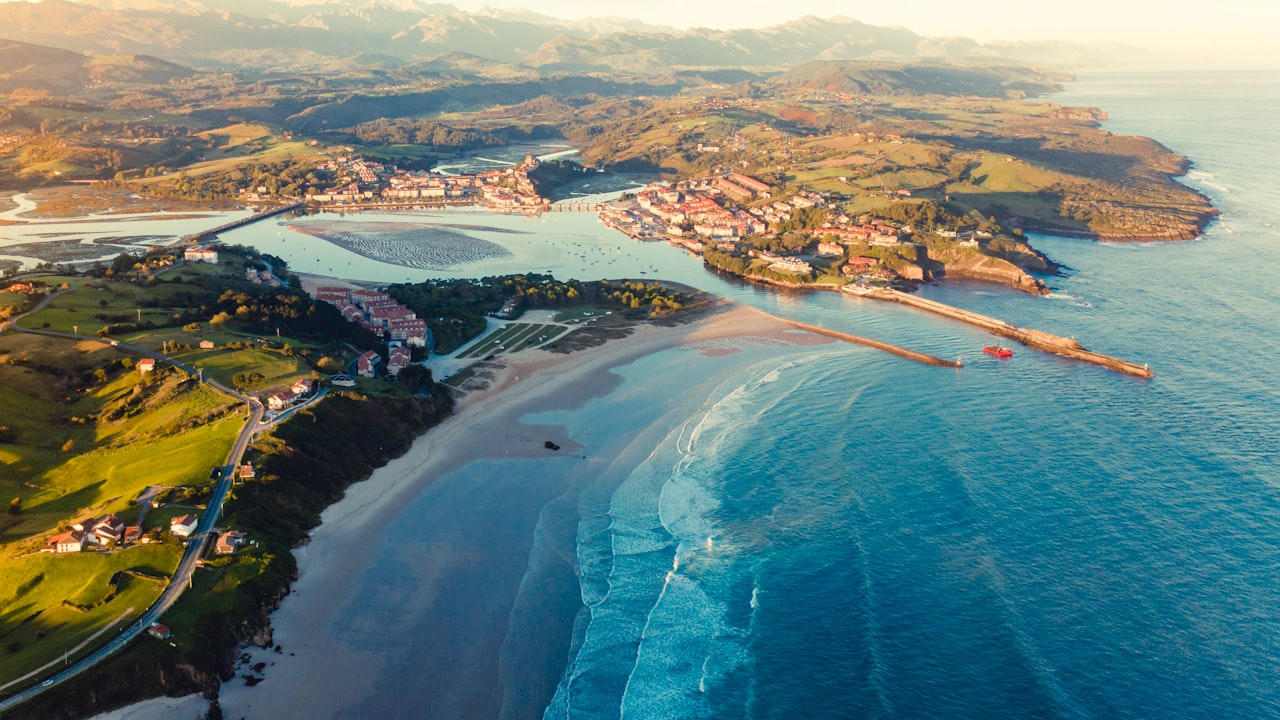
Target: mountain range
<point>251,34</point>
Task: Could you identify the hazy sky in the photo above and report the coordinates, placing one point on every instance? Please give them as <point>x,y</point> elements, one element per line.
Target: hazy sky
<point>1237,32</point>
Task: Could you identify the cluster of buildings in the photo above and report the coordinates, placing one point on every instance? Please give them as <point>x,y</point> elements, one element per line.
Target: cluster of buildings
<point>366,181</point>
<point>281,399</point>
<point>377,312</point>
<point>109,531</point>
<point>695,206</point>
<point>92,532</point>
<point>672,210</point>
<point>866,230</point>
<point>691,204</point>
<point>742,187</point>
<point>261,277</point>
<point>385,317</point>
<point>398,358</point>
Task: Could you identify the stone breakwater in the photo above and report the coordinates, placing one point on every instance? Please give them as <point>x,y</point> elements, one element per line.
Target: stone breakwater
<point>919,357</point>
<point>1037,339</point>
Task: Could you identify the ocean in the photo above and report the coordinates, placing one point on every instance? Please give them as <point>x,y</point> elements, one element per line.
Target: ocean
<point>846,534</point>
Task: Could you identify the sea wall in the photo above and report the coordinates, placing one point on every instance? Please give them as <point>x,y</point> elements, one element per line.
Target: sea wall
<point>1040,340</point>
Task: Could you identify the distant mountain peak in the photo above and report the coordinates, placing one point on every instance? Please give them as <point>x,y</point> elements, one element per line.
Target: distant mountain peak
<point>196,32</point>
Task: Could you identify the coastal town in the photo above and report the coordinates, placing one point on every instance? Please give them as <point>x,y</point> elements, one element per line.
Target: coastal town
<point>735,213</point>
<point>361,181</point>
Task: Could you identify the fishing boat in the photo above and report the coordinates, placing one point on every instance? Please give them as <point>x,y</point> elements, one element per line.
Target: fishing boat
<point>998,351</point>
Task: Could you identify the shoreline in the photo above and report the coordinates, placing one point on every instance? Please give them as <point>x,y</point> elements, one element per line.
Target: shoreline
<point>476,531</point>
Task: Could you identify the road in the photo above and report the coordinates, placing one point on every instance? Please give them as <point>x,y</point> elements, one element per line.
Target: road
<point>196,545</point>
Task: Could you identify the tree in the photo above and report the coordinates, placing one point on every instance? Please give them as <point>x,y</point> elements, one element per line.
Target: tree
<point>68,446</point>
<point>15,506</point>
<point>248,378</point>
<point>416,378</point>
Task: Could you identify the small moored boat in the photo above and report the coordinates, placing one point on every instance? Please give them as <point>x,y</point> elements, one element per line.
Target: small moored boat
<point>998,351</point>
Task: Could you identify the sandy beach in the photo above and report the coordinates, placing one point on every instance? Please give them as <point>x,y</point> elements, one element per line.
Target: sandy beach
<point>187,707</point>
<point>419,594</point>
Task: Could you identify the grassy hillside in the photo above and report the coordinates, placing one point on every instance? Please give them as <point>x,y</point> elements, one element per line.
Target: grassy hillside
<point>84,434</point>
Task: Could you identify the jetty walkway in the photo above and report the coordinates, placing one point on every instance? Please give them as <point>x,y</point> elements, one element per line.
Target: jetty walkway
<point>876,344</point>
<point>1066,347</point>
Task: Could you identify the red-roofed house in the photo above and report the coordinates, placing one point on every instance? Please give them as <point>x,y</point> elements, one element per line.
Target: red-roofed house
<point>280,400</point>
<point>400,359</point>
<point>367,364</point>
<point>67,542</point>
<point>109,529</point>
<point>229,542</point>
<point>183,525</point>
<point>301,387</point>
<point>146,365</point>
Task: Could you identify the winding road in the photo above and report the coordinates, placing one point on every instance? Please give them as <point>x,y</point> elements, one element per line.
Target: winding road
<point>199,540</point>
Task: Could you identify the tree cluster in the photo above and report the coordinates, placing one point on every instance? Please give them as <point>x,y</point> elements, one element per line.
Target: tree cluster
<point>417,131</point>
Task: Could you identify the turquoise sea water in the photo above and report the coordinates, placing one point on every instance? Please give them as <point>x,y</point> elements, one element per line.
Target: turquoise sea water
<point>837,532</point>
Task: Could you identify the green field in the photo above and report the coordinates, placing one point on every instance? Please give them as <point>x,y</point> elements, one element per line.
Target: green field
<point>37,627</point>
<point>222,365</point>
<point>994,175</point>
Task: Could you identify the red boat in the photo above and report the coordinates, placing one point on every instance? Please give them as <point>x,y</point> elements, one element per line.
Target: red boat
<point>997,351</point>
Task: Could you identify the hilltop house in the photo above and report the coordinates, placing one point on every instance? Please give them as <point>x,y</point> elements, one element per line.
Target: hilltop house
<point>146,365</point>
